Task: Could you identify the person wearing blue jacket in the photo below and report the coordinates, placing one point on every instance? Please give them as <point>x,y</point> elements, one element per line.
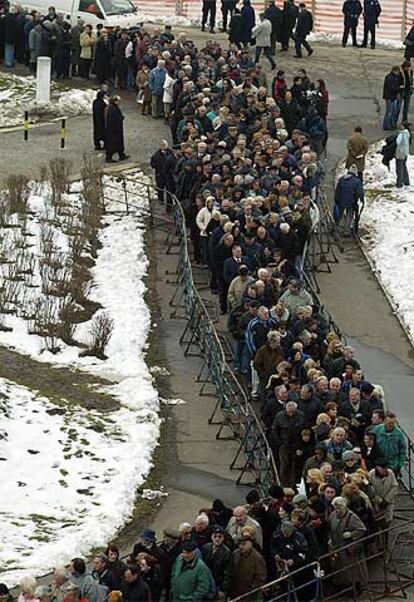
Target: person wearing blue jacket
<point>156,85</point>
<point>348,192</point>
<point>401,155</point>
<point>372,11</point>
<point>352,10</point>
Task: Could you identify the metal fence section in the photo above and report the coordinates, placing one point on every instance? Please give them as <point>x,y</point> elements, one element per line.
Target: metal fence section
<point>233,413</point>
<point>375,567</point>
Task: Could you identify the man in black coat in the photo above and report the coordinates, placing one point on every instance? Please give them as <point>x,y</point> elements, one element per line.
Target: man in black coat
<point>158,163</point>
<point>290,14</point>
<point>275,15</point>
<point>133,587</point>
<point>115,131</point>
<point>352,10</point>
<point>218,558</point>
<point>372,11</point>
<point>284,441</point>
<point>98,112</point>
<point>392,91</point>
<point>304,26</point>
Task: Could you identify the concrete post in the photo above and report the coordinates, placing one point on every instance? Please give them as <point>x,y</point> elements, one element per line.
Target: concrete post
<point>43,79</point>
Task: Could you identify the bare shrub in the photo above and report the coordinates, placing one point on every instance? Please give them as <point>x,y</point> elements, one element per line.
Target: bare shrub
<point>4,210</point>
<point>18,192</point>
<point>59,176</point>
<point>100,333</point>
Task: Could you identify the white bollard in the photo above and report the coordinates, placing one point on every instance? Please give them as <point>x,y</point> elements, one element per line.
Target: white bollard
<point>44,64</point>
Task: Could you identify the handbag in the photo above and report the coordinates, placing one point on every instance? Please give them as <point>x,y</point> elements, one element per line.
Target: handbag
<point>140,97</point>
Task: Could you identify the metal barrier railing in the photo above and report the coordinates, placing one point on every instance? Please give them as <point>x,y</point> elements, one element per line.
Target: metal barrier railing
<point>378,565</point>
<point>200,336</point>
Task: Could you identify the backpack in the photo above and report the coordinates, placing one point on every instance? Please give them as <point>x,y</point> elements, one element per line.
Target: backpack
<point>388,150</point>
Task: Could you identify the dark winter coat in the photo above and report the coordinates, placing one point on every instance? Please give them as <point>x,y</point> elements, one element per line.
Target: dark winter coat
<point>114,130</point>
<point>266,361</point>
<point>11,30</point>
<point>236,28</point>
<point>372,11</point>
<point>275,16</point>
<point>285,430</point>
<point>392,83</point>
<point>137,591</point>
<point>249,21</point>
<point>98,112</point>
<point>348,191</point>
<point>409,44</point>
<point>103,58</point>
<point>304,24</point>
<point>158,161</point>
<point>219,563</point>
<point>352,10</point>
<point>290,14</point>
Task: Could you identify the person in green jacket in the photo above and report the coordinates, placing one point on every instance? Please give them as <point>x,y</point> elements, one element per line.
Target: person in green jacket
<point>190,577</point>
<point>391,442</point>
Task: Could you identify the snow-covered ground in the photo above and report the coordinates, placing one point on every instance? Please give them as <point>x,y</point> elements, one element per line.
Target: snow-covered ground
<point>18,94</point>
<point>387,231</point>
<point>69,475</point>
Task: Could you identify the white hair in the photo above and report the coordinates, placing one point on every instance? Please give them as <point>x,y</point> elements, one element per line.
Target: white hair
<point>202,519</point>
<point>28,585</point>
<point>183,526</point>
<point>339,502</point>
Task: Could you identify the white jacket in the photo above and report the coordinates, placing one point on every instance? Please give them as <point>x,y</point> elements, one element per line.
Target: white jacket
<point>168,89</point>
<point>203,219</point>
<point>262,32</point>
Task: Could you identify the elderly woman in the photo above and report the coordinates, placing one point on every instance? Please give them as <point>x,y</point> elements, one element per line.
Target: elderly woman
<point>346,528</point>
<point>267,358</point>
<point>27,590</point>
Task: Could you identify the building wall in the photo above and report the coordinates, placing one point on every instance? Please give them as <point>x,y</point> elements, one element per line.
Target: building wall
<point>395,18</point>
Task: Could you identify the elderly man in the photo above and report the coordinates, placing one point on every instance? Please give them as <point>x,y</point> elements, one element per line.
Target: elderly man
<point>101,572</point>
<point>156,85</point>
<point>391,442</point>
<point>358,411</point>
<point>241,519</point>
<point>248,570</point>
<point>190,577</point>
<point>60,577</point>
<point>256,337</point>
<point>295,296</point>
<point>284,441</point>
<point>337,444</point>
<point>237,288</point>
<point>201,532</point>
<point>357,147</point>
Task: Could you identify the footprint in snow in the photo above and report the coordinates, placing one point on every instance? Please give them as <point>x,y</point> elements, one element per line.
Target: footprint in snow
<point>33,451</point>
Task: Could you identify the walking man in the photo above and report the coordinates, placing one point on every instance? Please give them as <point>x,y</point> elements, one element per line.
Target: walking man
<point>275,16</point>
<point>357,147</point>
<point>290,14</point>
<point>372,11</point>
<point>352,10</point>
<point>401,155</point>
<point>263,32</point>
<point>304,26</point>
<point>407,87</point>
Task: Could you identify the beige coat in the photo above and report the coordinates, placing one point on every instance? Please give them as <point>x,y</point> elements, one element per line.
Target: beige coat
<point>357,149</point>
<point>386,489</point>
<point>87,43</point>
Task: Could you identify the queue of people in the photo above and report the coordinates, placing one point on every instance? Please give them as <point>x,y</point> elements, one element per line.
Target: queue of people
<point>223,553</point>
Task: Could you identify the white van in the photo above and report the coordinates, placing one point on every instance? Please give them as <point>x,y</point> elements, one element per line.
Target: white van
<point>111,13</point>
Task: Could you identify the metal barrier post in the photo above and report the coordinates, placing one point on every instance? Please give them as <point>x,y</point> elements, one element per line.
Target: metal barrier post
<point>26,126</point>
<point>63,133</point>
